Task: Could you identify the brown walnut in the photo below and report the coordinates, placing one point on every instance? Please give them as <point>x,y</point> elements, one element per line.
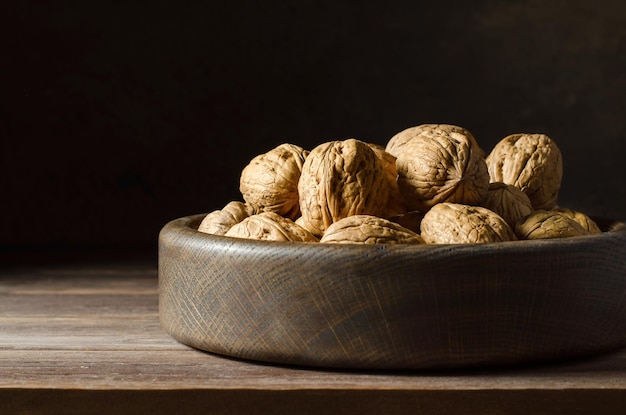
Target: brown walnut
<point>218,222</point>
<point>440,165</point>
<point>531,162</point>
<point>269,183</point>
<point>395,202</point>
<point>453,223</point>
<point>583,220</point>
<point>366,229</point>
<point>395,143</point>
<point>507,201</point>
<point>548,224</point>
<point>340,179</point>
<point>270,226</point>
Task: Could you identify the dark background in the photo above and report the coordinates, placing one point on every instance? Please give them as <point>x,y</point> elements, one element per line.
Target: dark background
<point>118,116</point>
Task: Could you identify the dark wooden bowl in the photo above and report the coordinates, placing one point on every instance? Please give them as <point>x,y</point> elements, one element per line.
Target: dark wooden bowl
<point>393,306</point>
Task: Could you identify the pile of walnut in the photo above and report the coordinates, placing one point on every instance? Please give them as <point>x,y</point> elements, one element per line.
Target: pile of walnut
<point>431,184</point>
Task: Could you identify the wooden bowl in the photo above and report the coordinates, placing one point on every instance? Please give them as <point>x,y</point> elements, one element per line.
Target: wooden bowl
<point>393,306</point>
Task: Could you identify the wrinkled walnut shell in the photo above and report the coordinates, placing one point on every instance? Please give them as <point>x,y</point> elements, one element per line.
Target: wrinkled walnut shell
<point>365,229</point>
<point>269,183</point>
<point>548,224</point>
<point>507,201</point>
<point>220,221</point>
<point>340,179</point>
<point>531,162</point>
<point>452,223</point>
<point>395,143</point>
<point>395,202</point>
<point>583,220</point>
<point>270,226</point>
<point>441,166</point>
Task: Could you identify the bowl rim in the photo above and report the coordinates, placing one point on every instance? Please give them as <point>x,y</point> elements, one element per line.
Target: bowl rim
<point>611,228</point>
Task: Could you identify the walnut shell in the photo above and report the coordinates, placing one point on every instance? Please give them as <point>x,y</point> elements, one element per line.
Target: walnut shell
<point>395,202</point>
<point>220,221</point>
<point>395,143</point>
<point>269,183</point>
<point>548,224</point>
<point>340,179</point>
<point>531,162</point>
<point>440,165</point>
<point>366,229</point>
<point>270,226</point>
<point>453,223</point>
<point>583,220</point>
<point>507,201</point>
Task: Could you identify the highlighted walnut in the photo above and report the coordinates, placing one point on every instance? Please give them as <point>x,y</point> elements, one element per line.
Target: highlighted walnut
<point>441,165</point>
<point>341,179</point>
<point>583,220</point>
<point>531,162</point>
<point>453,223</point>
<point>548,224</point>
<point>270,226</point>
<point>395,143</point>
<point>507,201</point>
<point>269,183</point>
<point>395,202</point>
<point>365,229</point>
<point>220,221</point>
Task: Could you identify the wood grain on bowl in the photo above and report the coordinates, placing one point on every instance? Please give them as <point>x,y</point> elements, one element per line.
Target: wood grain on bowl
<point>393,306</point>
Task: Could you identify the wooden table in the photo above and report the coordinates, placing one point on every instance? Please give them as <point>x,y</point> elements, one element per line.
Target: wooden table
<point>86,339</point>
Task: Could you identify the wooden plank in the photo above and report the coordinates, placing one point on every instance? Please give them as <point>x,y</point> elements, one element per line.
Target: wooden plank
<point>132,279</point>
<point>90,332</point>
<point>91,338</point>
<point>304,402</point>
<point>68,305</point>
<point>362,402</point>
<point>190,369</point>
<point>77,308</point>
<point>79,291</point>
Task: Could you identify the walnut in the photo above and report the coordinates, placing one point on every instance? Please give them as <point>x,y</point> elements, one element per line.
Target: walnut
<point>507,201</point>
<point>531,162</point>
<point>220,221</point>
<point>300,222</point>
<point>270,226</point>
<point>340,179</point>
<point>453,223</point>
<point>366,229</point>
<point>395,202</point>
<point>395,143</point>
<point>441,165</point>
<point>547,224</point>
<point>269,183</point>
<point>583,220</point>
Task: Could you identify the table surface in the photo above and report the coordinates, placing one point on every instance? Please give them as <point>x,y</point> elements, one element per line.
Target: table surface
<point>87,339</point>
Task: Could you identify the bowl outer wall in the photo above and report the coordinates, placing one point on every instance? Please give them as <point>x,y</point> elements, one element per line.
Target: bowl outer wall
<point>393,306</point>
